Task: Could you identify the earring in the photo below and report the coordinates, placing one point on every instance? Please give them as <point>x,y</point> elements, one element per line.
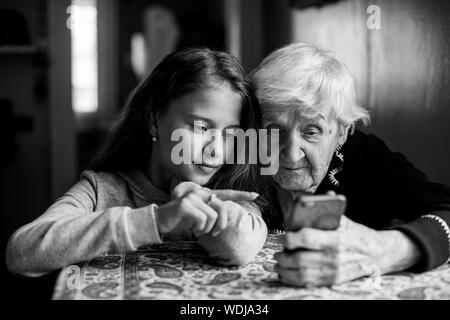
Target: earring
<point>338,153</point>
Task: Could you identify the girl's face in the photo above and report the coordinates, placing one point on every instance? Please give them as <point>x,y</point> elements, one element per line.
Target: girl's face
<point>216,108</point>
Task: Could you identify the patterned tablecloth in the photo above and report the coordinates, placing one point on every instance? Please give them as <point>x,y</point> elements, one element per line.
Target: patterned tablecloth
<point>181,270</point>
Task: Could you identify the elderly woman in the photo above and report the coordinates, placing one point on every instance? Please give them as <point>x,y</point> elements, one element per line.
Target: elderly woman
<point>395,218</point>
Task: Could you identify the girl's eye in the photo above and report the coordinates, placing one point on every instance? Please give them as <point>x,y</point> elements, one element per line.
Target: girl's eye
<point>200,127</point>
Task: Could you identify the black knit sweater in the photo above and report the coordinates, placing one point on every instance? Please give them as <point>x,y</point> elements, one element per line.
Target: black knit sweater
<point>385,191</point>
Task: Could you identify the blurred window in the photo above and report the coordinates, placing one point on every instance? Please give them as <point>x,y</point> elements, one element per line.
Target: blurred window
<point>82,23</point>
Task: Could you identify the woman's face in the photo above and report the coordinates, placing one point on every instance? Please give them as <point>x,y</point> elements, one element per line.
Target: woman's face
<point>306,146</point>
<point>217,108</point>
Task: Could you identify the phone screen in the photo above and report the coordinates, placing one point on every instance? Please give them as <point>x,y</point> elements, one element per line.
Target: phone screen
<point>316,211</point>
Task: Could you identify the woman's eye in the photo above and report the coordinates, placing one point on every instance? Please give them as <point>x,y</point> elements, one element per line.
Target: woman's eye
<point>271,129</point>
<point>312,131</point>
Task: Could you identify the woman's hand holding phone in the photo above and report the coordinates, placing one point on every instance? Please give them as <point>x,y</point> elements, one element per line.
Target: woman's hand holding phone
<point>316,211</point>
<point>324,247</point>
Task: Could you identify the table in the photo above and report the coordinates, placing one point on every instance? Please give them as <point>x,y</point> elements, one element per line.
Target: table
<point>181,270</point>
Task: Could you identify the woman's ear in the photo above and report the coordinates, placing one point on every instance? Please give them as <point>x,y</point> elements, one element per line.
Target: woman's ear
<point>343,133</point>
<point>154,123</point>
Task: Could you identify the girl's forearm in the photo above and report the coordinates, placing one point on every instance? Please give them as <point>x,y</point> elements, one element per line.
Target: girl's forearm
<point>48,244</point>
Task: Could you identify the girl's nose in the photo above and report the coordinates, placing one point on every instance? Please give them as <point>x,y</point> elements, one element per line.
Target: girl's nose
<point>292,150</point>
<point>214,147</point>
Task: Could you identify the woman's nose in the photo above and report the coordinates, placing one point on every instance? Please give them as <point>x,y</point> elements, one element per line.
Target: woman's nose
<point>292,148</point>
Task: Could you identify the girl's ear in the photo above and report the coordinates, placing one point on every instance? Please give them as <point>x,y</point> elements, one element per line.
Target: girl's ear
<point>154,123</point>
<point>342,133</point>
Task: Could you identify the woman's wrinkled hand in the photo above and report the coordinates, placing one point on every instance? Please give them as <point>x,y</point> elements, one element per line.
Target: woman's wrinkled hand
<point>317,257</point>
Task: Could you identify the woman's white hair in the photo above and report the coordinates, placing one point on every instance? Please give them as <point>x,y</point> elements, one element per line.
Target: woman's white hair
<point>301,74</point>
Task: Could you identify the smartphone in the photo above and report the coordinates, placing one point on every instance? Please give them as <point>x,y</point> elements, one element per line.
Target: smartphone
<point>316,211</point>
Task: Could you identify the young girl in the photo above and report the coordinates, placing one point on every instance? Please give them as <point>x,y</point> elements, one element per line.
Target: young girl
<point>133,195</point>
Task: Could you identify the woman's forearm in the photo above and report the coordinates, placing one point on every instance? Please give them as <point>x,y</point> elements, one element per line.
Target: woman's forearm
<point>399,252</point>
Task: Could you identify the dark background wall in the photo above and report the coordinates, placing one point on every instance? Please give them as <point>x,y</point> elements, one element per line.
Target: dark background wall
<point>200,22</point>
<point>25,130</point>
<point>402,70</point>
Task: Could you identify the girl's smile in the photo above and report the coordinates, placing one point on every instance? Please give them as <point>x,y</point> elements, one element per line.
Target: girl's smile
<point>207,169</point>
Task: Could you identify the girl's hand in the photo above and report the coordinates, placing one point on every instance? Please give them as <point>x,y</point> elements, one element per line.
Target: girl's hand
<point>349,252</point>
<point>182,188</point>
<point>229,212</point>
<point>191,209</point>
<point>223,194</point>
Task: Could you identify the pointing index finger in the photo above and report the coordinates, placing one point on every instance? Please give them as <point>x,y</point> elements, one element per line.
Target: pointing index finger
<point>235,195</point>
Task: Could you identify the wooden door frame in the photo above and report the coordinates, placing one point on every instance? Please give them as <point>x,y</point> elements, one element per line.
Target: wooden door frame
<point>243,25</point>
<point>62,136</point>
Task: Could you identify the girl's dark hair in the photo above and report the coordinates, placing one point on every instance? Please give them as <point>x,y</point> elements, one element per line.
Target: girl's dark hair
<point>128,142</point>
